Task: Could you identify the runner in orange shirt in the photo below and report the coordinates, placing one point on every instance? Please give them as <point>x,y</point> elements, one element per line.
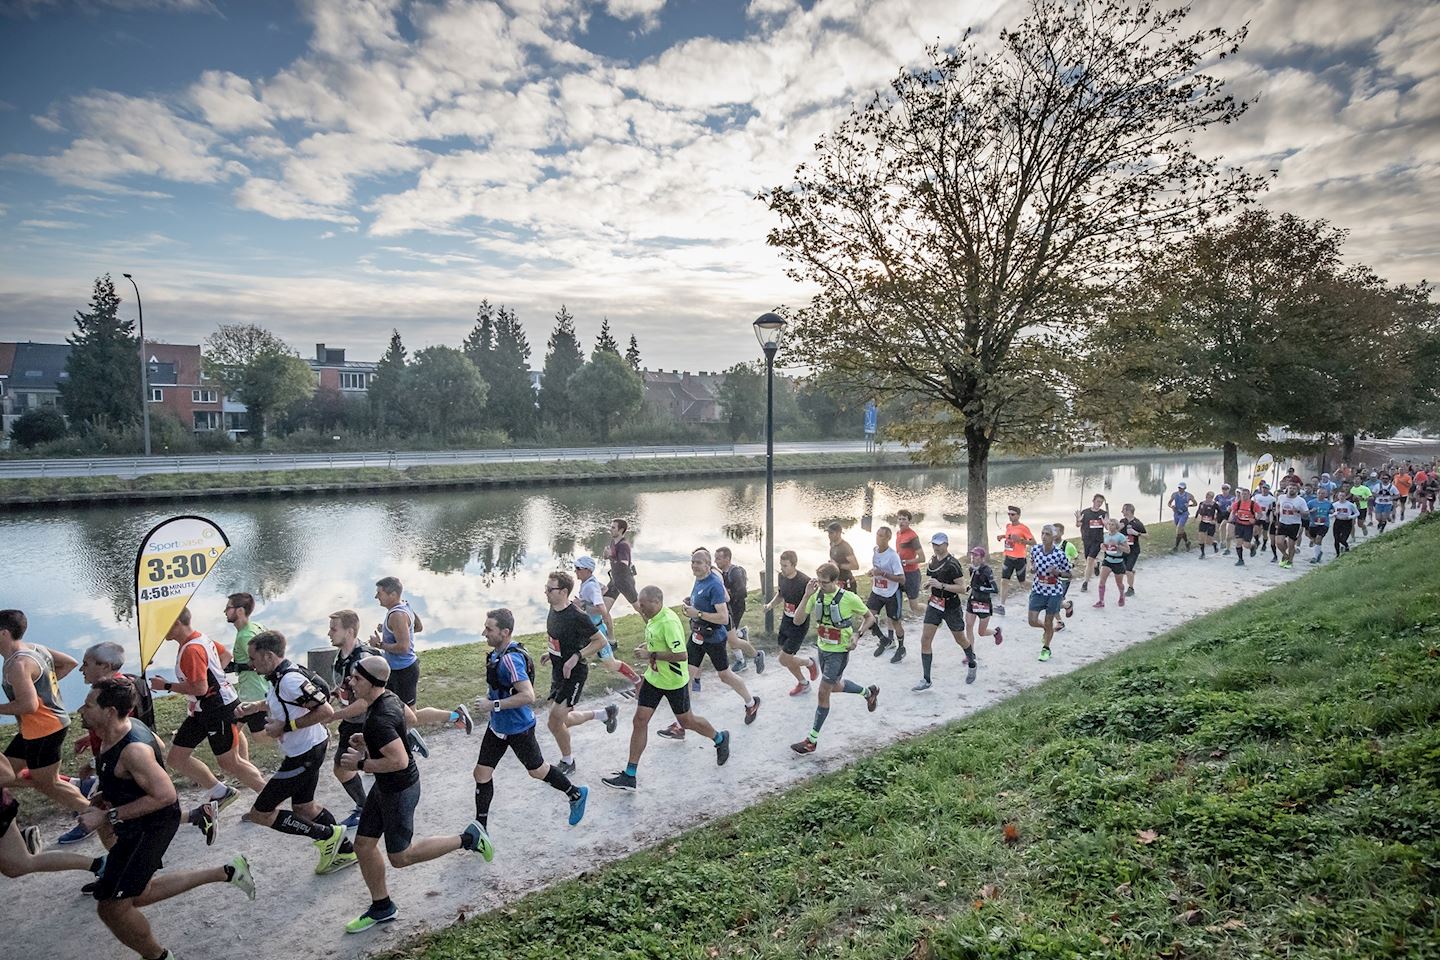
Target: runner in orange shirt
<point>1017,539</point>
<point>1402,483</point>
<point>32,687</point>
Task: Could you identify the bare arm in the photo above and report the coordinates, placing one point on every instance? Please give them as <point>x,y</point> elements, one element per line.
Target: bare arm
<point>64,663</point>
<point>17,674</point>
<point>401,629</point>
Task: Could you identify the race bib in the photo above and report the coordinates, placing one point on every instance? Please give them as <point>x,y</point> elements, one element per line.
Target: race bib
<point>790,610</point>
<point>979,609</point>
<point>1048,578</point>
<point>1097,524</point>
<point>554,647</point>
<point>829,634</point>
<point>881,583</point>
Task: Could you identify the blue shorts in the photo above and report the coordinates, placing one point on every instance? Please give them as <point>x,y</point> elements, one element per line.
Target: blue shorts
<point>1040,603</point>
<point>1181,519</point>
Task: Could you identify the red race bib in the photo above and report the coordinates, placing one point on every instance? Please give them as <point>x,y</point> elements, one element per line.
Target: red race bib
<point>829,634</point>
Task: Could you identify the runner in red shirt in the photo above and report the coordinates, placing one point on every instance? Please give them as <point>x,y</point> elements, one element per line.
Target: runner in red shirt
<point>912,555</point>
<point>1017,539</point>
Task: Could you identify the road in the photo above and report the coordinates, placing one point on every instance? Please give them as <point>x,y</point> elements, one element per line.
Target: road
<point>139,466</point>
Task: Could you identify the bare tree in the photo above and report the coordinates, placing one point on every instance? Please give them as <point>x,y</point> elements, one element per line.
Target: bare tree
<point>957,223</point>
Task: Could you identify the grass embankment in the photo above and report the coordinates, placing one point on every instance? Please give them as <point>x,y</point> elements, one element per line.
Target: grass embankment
<point>419,477</point>
<point>1262,782</point>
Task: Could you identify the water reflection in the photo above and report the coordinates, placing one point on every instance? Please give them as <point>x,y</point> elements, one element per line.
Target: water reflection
<point>462,553</point>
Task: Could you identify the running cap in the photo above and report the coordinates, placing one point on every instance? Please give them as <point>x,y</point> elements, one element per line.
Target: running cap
<point>977,551</point>
<point>940,538</point>
<point>1324,476</point>
<point>1181,484</point>
<point>1224,486</point>
<point>585,563</point>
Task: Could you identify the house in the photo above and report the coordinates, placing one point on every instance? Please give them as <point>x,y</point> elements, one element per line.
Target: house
<point>689,397</point>
<point>332,371</point>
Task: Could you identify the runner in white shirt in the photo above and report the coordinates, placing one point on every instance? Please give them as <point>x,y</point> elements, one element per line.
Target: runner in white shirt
<point>1292,513</point>
<point>887,573</point>
<point>1264,502</point>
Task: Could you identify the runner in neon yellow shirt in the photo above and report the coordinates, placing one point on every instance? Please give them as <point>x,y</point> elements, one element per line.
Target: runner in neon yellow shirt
<point>840,616</point>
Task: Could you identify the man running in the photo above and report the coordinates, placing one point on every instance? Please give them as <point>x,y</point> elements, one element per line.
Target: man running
<point>1133,529</point>
<point>1243,517</point>
<point>666,678</point>
<point>1049,566</point>
<point>981,600</point>
<point>1342,518</point>
<point>1224,501</point>
<point>1385,496</point>
<point>1017,539</point>
<point>709,622</point>
<point>1091,522</point>
<point>1072,554</point>
<point>573,640</point>
<point>1181,502</point>
<point>296,707</point>
<point>842,555</point>
<point>395,638</point>
<point>510,691</point>
<point>1320,509</point>
<point>383,749</point>
<point>1360,493</point>
<point>737,592</point>
<point>1292,513</point>
<point>912,554</point>
<point>1263,502</point>
<point>945,579</point>
<point>1403,481</point>
<point>210,702</point>
<point>20,848</point>
<point>622,565</point>
<point>835,610</point>
<point>789,594</point>
<point>1208,515</point>
<point>31,681</point>
<point>1114,546</point>
<point>344,633</point>
<point>249,685</point>
<point>138,805</point>
<point>886,574</point>
<point>591,601</point>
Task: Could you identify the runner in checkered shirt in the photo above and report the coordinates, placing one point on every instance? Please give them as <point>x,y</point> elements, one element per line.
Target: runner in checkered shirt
<point>1050,571</point>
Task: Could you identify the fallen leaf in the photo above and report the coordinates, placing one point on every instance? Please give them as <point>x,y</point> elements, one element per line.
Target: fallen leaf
<point>1012,833</point>
<point>1233,924</point>
<point>988,891</point>
<point>1123,890</point>
<point>1147,837</point>
<point>1190,918</point>
<point>942,884</point>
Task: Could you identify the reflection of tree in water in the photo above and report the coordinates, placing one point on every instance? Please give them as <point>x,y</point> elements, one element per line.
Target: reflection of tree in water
<point>107,556</point>
<point>1150,480</point>
<point>741,532</point>
<point>487,529</point>
<point>845,522</point>
<point>277,550</point>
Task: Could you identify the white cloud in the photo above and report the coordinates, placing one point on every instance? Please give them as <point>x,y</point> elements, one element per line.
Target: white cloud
<point>50,224</point>
<point>228,102</point>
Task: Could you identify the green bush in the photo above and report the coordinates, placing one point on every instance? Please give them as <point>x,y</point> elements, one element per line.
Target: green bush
<point>42,425</point>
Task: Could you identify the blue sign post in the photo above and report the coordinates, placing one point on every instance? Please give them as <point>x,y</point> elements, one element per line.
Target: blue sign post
<point>872,421</point>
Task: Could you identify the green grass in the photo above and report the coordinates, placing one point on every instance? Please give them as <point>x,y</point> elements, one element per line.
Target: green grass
<point>1263,782</point>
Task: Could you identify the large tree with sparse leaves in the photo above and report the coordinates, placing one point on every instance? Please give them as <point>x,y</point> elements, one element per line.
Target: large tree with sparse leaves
<point>258,369</point>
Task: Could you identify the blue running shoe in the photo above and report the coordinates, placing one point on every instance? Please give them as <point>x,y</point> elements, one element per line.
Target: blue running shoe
<point>74,835</point>
<point>352,821</point>
<point>577,806</point>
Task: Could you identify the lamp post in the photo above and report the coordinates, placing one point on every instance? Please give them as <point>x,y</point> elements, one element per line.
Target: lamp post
<point>768,329</point>
<point>144,366</point>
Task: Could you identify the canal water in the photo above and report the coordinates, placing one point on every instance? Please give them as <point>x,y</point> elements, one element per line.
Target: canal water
<point>460,554</point>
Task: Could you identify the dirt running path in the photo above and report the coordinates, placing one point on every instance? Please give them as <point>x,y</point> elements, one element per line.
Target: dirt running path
<point>300,916</point>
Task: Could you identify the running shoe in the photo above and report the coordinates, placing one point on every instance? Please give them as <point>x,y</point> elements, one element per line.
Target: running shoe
<point>342,860</point>
<point>418,744</point>
<point>804,747</point>
<point>752,710</point>
<point>722,749</point>
<point>1129,591</point>
<point>1098,604</point>
<point>759,661</point>
<point>463,719</point>
<point>475,838</point>
<point>240,876</point>
<point>800,689</point>
<point>1069,607</point>
<point>328,848</point>
<point>75,834</point>
<point>33,843</point>
<point>882,646</point>
<point>372,917</point>
<point>89,888</point>
<point>1059,625</point>
<point>872,697</point>
<point>87,785</point>
<point>814,669</point>
<point>1227,551</point>
<point>899,653</point>
<point>695,685</point>
<point>229,797</point>
<point>612,718</point>
<point>999,639</point>
<point>738,664</point>
<point>922,685</point>
<point>620,780</point>
<point>206,819</point>
<point>1121,601</point>
<point>1000,609</point>
<point>672,732</point>
<point>577,806</point>
<point>100,864</point>
<point>566,767</point>
<point>971,669</point>
<point>1044,654</point>
<point>1085,586</point>
<point>1240,562</point>
<point>352,821</point>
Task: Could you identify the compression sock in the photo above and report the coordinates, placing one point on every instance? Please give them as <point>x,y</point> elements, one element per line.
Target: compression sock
<point>820,714</point>
<point>560,782</point>
<point>925,660</point>
<point>97,865</point>
<point>851,686</point>
<point>484,793</point>
<point>325,818</point>
<point>630,768</point>
<point>290,822</point>
<point>970,650</point>
<point>628,672</point>
<point>355,788</point>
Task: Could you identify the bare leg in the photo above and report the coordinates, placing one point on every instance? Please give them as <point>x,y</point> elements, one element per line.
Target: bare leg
<point>555,723</point>
<point>183,761</point>
<point>697,723</point>
<point>167,885</point>
<point>728,678</point>
<point>61,792</point>
<point>794,665</point>
<point>16,860</point>
<point>640,732</point>
<point>241,769</point>
<point>428,848</point>
<point>372,866</point>
<point>428,715</point>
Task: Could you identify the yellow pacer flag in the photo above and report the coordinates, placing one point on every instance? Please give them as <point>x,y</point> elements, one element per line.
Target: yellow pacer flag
<point>173,561</point>
<point>1263,467</point>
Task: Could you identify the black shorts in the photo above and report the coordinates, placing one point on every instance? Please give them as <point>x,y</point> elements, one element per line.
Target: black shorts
<point>833,664</point>
<point>1364,511</point>
<point>343,735</point>
<point>405,683</point>
<point>1244,531</point>
<point>952,617</point>
<point>390,815</point>
<point>679,698</point>
<point>217,728</point>
<point>294,781</point>
<point>568,691</point>
<point>1090,547</point>
<point>981,608</point>
<point>1291,531</point>
<point>524,745</point>
<point>697,652</point>
<point>791,636</point>
<point>1207,528</point>
<point>138,854</point>
<point>1015,566</point>
<point>39,753</point>
<point>622,584</point>
<point>1132,556</point>
<point>1318,531</point>
<point>737,612</point>
<point>889,605</point>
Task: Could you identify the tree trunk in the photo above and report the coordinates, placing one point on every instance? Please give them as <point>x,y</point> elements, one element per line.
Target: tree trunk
<point>977,490</point>
<point>1232,464</point>
<point>257,426</point>
<point>1347,450</point>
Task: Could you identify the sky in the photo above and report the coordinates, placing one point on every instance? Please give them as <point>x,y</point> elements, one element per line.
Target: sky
<point>335,168</point>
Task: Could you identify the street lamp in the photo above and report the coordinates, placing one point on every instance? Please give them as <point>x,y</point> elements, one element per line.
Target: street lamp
<point>768,329</point>
<point>144,366</point>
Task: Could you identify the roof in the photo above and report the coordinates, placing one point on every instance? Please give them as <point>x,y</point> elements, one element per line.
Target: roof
<point>39,366</point>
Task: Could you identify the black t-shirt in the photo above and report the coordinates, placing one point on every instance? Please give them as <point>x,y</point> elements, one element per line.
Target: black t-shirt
<point>736,584</point>
<point>569,631</point>
<point>385,723</point>
<point>947,570</point>
<point>982,583</point>
<point>1132,527</point>
<point>1208,511</point>
<point>792,589</point>
<point>1092,524</point>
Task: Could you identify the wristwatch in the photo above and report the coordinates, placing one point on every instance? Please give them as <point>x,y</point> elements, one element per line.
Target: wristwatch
<point>494,705</point>
<point>112,816</point>
<point>360,764</point>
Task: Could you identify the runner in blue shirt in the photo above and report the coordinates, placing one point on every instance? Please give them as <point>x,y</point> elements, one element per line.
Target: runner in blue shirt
<point>1181,502</point>
<point>1321,507</point>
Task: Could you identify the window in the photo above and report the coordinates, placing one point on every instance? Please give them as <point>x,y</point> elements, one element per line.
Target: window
<point>207,420</point>
<point>319,381</point>
<point>202,396</point>
<point>352,381</point>
<point>157,395</point>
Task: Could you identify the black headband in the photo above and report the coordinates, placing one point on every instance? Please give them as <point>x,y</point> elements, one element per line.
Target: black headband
<point>370,677</point>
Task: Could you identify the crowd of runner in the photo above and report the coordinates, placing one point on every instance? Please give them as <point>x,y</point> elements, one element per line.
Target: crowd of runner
<point>251,688</point>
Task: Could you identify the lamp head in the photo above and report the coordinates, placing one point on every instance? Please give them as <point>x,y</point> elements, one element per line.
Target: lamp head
<point>125,275</point>
<point>769,327</point>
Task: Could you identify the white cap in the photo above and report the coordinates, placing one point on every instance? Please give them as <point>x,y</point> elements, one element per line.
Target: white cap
<point>585,563</point>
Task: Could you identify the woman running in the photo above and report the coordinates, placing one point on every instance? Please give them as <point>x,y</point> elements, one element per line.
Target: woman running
<point>1114,548</point>
<point>981,601</point>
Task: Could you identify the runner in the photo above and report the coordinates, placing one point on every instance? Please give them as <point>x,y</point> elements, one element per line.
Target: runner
<point>1224,501</point>
<point>20,848</point>
<point>1431,491</point>
<point>1385,496</point>
<point>982,596</point>
<point>1208,515</point>
<point>210,703</point>
<point>842,555</point>
<point>384,750</point>
<point>945,579</point>
<point>591,601</point>
<point>139,808</point>
<point>835,610</point>
<point>1017,539</point>
<point>1342,518</point>
<point>1115,546</point>
<point>573,639</point>
<point>1091,522</point>
<point>344,636</point>
<point>709,620</point>
<point>1403,482</point>
<point>31,682</point>
<point>789,594</point>
<point>912,554</point>
<point>395,638</point>
<point>1049,566</point>
<point>296,707</point>
<point>737,592</point>
<point>1360,493</point>
<point>1243,516</point>
<point>886,573</point>
<point>622,565</point>
<point>1417,488</point>
<point>1263,502</point>
<point>665,679</point>
<point>510,692</point>
<point>1292,513</point>
<point>1133,529</point>
<point>248,684</point>
<point>1180,503</point>
<point>1320,510</point>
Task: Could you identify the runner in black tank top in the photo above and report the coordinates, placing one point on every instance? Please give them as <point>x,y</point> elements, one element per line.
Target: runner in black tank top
<point>789,595</point>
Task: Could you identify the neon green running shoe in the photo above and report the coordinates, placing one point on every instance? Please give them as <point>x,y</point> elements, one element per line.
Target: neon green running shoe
<point>1044,654</point>
<point>372,917</point>
<point>240,876</point>
<point>329,847</point>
